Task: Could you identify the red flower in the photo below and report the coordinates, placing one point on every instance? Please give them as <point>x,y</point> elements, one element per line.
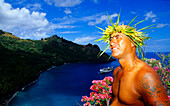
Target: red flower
<point>101,92</point>
<point>110,89</point>
<point>85,98</point>
<point>93,87</point>
<point>156,68</point>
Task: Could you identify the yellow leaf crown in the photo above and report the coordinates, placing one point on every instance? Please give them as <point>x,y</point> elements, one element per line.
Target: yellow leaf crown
<point>137,37</point>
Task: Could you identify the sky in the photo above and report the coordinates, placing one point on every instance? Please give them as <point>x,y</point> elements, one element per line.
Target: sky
<point>76,20</point>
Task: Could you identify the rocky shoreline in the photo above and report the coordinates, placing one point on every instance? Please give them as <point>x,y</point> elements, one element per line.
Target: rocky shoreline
<point>28,85</point>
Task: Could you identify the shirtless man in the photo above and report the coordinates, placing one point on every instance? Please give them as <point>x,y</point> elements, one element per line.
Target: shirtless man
<point>135,82</point>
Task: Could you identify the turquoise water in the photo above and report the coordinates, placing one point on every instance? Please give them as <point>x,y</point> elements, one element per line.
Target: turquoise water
<point>63,85</point>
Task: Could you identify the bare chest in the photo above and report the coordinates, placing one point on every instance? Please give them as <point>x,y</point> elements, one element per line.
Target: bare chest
<point>124,89</point>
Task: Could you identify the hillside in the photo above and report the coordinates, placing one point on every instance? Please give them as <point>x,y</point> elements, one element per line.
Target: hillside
<point>22,61</point>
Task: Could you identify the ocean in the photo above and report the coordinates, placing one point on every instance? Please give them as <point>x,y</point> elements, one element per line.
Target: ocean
<point>64,85</point>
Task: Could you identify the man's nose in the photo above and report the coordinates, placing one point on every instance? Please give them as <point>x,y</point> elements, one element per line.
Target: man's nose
<point>112,44</point>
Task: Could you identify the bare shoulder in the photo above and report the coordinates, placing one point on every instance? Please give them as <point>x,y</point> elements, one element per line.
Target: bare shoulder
<point>146,70</point>
<point>150,86</point>
<point>116,71</point>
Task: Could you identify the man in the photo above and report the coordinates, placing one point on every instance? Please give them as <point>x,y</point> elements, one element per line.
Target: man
<point>135,82</point>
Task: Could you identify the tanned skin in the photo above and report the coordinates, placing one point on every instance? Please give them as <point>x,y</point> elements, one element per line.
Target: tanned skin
<point>135,82</point>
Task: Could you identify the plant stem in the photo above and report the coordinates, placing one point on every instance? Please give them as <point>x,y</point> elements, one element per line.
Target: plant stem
<point>107,102</point>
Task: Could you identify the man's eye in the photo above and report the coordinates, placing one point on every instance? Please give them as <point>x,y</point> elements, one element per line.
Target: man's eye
<point>117,37</point>
<point>111,38</point>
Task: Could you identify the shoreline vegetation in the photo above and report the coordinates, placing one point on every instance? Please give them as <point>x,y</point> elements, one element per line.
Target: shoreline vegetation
<point>23,60</point>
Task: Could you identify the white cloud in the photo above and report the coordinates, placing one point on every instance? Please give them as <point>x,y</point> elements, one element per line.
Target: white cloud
<point>154,20</point>
<point>162,40</point>
<point>133,12</point>
<point>18,1</point>
<point>67,20</point>
<point>161,25</point>
<point>64,26</point>
<point>86,39</point>
<point>34,7</point>
<point>22,22</point>
<point>26,24</point>
<point>69,32</point>
<point>150,15</point>
<point>98,20</point>
<point>91,20</point>
<point>64,3</point>
<point>101,19</point>
<point>67,11</point>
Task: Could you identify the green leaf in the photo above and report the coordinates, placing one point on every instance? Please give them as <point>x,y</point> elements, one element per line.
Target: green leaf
<point>118,19</point>
<point>111,21</point>
<point>104,50</point>
<point>129,31</point>
<point>100,28</point>
<point>138,22</point>
<point>145,27</point>
<point>139,48</point>
<point>141,51</point>
<point>101,51</point>
<point>130,28</point>
<point>131,40</point>
<point>147,38</point>
<point>143,43</point>
<point>134,40</point>
<point>98,40</point>
<point>131,22</point>
<point>109,57</point>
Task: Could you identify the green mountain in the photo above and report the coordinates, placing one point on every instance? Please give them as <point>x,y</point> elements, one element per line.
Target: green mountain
<point>22,61</point>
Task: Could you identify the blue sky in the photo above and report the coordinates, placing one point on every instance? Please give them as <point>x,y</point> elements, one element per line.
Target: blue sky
<point>75,20</point>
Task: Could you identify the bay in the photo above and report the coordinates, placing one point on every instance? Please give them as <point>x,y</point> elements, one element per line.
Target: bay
<point>64,85</point>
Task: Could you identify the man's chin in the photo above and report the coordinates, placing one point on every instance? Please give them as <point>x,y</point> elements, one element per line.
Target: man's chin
<point>115,55</point>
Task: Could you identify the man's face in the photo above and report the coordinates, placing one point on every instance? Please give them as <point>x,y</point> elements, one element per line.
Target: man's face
<point>120,45</point>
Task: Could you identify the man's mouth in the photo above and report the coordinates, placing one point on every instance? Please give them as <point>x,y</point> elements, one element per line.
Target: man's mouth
<point>114,48</point>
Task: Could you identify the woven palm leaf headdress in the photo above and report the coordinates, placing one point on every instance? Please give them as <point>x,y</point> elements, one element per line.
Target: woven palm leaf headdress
<point>137,37</point>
